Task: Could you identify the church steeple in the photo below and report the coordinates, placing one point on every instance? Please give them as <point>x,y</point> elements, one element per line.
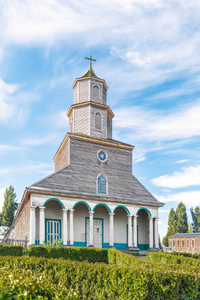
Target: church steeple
<point>90,72</point>
<point>90,113</point>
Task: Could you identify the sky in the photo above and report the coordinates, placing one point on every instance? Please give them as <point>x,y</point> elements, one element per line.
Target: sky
<point>148,51</point>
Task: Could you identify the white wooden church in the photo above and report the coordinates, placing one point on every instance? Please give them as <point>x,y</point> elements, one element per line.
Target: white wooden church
<point>92,198</point>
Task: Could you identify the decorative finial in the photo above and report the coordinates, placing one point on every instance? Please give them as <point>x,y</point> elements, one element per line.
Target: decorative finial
<point>90,59</point>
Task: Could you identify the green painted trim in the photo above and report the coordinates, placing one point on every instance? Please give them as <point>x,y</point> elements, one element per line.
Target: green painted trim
<point>127,210</point>
<point>105,245</point>
<point>55,200</point>
<point>79,244</point>
<point>83,203</point>
<point>47,219</point>
<point>120,246</point>
<point>103,205</point>
<point>137,235</point>
<point>144,209</point>
<point>102,230</point>
<point>143,246</point>
<point>127,234</point>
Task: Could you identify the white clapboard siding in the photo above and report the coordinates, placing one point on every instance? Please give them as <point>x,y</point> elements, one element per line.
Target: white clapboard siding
<point>84,91</point>
<point>63,158</point>
<point>81,120</point>
<point>104,96</point>
<point>109,126</point>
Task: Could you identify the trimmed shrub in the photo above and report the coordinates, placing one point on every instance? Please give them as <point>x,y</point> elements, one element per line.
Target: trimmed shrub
<point>25,277</point>
<point>72,253</point>
<point>194,255</point>
<point>11,250</point>
<point>172,259</point>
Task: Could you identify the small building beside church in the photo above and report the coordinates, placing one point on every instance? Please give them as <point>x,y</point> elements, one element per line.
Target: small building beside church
<point>185,242</point>
<point>92,198</point>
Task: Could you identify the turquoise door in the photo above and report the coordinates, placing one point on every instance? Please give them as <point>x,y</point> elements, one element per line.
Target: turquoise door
<point>53,230</point>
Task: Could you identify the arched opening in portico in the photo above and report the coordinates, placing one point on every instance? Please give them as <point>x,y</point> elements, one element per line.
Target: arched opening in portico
<point>120,228</point>
<point>81,215</point>
<point>53,220</point>
<point>143,229</point>
<point>101,226</point>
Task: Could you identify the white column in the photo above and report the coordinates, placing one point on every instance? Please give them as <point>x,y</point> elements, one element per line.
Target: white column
<point>111,230</point>
<point>32,225</point>
<point>130,243</point>
<point>91,237</point>
<point>71,228</point>
<point>150,232</point>
<point>42,225</point>
<point>64,228</point>
<point>156,232</point>
<point>135,231</point>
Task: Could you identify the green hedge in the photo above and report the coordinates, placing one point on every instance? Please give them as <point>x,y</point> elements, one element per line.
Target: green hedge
<point>41,278</point>
<point>172,259</point>
<point>193,255</point>
<point>72,253</point>
<point>11,250</point>
<point>108,256</point>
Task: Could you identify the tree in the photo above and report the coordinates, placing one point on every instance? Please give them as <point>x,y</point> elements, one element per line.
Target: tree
<point>172,224</point>
<point>195,218</point>
<point>190,230</point>
<point>9,207</point>
<point>182,220</point>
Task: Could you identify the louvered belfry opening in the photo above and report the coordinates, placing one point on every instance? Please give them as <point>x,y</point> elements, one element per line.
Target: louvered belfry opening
<point>98,121</point>
<point>95,92</point>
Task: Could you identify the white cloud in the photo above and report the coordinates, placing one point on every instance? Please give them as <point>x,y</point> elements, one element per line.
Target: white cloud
<point>191,198</point>
<point>2,191</point>
<point>181,161</point>
<point>156,35</point>
<point>14,104</point>
<point>189,177</point>
<point>6,148</point>
<point>7,107</point>
<point>28,167</point>
<point>164,211</point>
<point>153,125</point>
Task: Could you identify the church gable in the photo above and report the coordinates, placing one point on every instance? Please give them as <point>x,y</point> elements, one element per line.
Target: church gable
<point>81,175</point>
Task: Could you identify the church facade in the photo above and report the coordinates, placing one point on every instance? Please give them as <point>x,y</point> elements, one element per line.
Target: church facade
<point>92,198</point>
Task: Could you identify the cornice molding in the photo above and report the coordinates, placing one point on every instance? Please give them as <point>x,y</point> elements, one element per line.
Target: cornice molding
<point>77,105</point>
<point>92,79</point>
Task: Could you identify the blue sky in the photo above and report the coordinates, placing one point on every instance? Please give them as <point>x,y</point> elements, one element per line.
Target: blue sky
<point>148,53</point>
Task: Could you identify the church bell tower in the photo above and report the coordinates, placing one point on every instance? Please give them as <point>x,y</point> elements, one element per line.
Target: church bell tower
<point>90,114</point>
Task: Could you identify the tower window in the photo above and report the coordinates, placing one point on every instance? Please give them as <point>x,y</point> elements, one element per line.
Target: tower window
<point>97,121</point>
<point>101,184</point>
<point>96,92</point>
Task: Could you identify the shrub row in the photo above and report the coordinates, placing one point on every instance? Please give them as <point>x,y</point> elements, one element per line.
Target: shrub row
<point>172,259</point>
<point>193,255</point>
<point>108,256</point>
<point>72,253</point>
<point>41,278</point>
<point>11,250</point>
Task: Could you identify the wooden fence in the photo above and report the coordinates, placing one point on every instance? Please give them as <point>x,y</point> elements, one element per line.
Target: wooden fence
<point>23,243</point>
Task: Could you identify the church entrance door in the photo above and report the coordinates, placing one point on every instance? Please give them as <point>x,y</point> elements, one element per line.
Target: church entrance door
<point>53,230</point>
<point>97,232</point>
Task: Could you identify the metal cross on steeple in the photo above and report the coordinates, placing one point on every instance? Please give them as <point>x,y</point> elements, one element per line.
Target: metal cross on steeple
<point>90,59</point>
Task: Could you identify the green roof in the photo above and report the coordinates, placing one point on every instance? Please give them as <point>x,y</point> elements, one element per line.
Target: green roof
<point>90,73</point>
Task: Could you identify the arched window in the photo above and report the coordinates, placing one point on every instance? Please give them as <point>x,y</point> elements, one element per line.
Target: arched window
<point>101,184</point>
<point>97,121</point>
<point>96,92</point>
